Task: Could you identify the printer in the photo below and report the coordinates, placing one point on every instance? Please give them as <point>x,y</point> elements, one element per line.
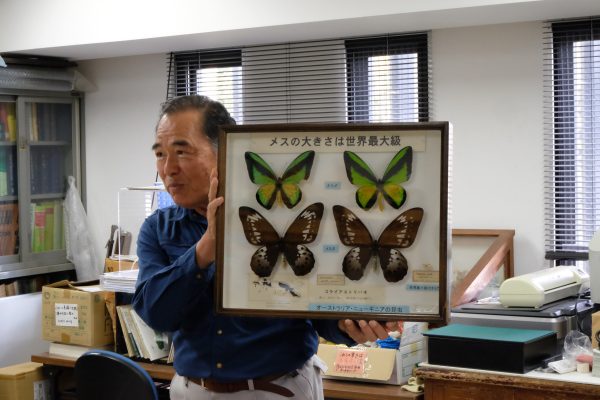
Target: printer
<point>546,299</point>
<point>543,287</point>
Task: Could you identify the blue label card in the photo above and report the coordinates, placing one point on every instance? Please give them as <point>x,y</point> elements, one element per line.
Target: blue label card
<point>333,185</point>
<point>422,287</point>
<point>331,248</point>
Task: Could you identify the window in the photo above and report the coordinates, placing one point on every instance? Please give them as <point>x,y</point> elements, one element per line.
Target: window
<point>382,79</point>
<point>216,74</point>
<point>388,79</point>
<point>572,141</point>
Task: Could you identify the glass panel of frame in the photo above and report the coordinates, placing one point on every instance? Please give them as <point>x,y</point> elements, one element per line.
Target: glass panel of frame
<point>334,221</point>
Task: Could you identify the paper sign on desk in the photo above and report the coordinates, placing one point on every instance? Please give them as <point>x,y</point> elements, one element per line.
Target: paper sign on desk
<point>350,361</point>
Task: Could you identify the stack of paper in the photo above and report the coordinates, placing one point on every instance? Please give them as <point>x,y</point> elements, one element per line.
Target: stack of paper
<point>119,281</point>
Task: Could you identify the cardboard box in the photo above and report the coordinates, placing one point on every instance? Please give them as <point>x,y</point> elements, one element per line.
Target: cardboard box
<point>24,382</point>
<point>412,332</point>
<point>76,313</point>
<point>112,265</point>
<point>490,348</point>
<point>372,364</point>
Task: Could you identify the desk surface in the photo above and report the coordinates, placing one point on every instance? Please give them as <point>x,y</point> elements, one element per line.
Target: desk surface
<point>333,389</point>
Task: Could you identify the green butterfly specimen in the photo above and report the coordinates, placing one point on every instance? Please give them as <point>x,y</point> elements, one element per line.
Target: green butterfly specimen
<point>370,189</point>
<point>285,188</point>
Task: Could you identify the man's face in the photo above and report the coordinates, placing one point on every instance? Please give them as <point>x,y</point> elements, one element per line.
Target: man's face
<point>184,158</point>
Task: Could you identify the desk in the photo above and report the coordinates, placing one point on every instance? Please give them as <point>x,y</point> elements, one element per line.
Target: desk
<point>333,389</point>
<point>443,382</point>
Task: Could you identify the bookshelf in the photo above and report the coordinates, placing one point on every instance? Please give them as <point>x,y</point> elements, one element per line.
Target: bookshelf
<point>39,149</point>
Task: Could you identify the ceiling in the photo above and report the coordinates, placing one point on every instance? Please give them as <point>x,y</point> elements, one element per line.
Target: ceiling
<point>90,37</point>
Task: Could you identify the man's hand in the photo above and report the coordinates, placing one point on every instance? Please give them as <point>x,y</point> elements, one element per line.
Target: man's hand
<point>206,246</point>
<point>362,331</point>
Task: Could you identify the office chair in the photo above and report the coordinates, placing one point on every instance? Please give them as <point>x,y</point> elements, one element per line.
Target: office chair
<point>105,375</point>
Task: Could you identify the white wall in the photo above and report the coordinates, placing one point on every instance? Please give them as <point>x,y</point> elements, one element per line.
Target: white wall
<point>486,81</point>
<point>119,123</point>
<point>21,328</point>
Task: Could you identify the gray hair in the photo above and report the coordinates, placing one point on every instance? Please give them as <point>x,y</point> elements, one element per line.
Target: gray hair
<point>215,113</point>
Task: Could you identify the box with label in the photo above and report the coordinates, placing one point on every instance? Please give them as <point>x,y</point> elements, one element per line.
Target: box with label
<point>24,381</point>
<point>76,313</point>
<point>372,364</point>
<point>490,348</point>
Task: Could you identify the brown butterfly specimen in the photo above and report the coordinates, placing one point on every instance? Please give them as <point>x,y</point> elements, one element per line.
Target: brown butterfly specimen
<point>399,234</point>
<point>260,232</point>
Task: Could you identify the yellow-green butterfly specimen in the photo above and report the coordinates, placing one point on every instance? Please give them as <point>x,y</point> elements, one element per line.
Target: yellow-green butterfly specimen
<point>370,189</point>
<point>284,188</point>
<point>292,244</point>
<point>399,234</point>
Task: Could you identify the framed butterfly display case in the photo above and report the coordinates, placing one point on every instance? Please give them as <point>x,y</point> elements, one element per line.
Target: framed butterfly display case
<point>334,221</point>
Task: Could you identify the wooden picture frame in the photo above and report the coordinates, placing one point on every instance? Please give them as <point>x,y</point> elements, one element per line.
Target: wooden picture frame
<point>499,253</point>
<point>325,288</point>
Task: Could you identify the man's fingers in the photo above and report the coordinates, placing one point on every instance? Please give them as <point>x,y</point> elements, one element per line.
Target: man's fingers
<point>393,326</point>
<point>362,331</point>
<point>354,331</point>
<point>378,330</point>
<point>214,184</point>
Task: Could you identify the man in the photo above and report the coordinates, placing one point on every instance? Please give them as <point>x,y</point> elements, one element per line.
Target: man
<point>216,356</point>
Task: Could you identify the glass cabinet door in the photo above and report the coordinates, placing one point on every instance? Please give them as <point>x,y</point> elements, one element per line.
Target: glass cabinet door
<point>46,150</point>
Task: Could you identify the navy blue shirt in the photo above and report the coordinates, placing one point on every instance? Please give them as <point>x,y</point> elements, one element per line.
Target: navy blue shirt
<point>174,295</point>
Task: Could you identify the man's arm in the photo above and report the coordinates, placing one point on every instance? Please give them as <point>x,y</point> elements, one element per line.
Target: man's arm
<point>166,291</point>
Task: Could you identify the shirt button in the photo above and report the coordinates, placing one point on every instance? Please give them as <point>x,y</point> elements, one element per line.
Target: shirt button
<point>199,276</point>
<point>219,365</point>
<point>219,332</point>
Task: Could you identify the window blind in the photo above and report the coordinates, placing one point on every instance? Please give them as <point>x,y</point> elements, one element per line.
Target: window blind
<point>572,137</point>
<point>376,79</point>
<point>388,79</point>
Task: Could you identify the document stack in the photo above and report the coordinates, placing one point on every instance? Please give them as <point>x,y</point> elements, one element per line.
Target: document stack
<point>119,281</point>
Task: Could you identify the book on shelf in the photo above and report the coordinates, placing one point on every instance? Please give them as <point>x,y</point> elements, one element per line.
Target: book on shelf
<point>39,226</point>
<point>140,339</point>
<point>11,171</point>
<point>8,122</point>
<point>58,235</point>
<point>11,119</point>
<point>47,226</point>
<point>9,228</point>
<point>73,350</point>
<point>127,336</point>
<point>136,334</point>
<point>125,316</point>
<point>4,171</point>
<point>171,357</point>
<point>12,288</point>
<point>34,127</point>
<point>155,343</point>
